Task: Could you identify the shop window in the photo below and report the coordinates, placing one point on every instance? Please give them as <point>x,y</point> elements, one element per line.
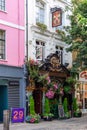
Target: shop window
<point>2,44</point>
<point>40,50</point>
<point>40,11</point>
<point>82,96</point>
<point>2,5</point>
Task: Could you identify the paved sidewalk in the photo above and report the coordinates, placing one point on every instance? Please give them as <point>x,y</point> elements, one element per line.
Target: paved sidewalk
<point>68,124</point>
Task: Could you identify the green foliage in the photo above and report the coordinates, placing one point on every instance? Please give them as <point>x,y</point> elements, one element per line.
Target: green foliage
<point>78,113</point>
<point>46,106</point>
<point>42,26</point>
<point>77,34</point>
<point>74,104</point>
<point>32,117</point>
<point>71,80</point>
<point>47,112</point>
<point>65,105</point>
<point>67,89</point>
<point>33,69</point>
<point>32,109</point>
<point>54,107</point>
<point>61,33</point>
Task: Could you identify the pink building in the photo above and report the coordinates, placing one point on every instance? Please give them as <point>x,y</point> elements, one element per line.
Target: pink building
<point>12,26</point>
<point>12,40</point>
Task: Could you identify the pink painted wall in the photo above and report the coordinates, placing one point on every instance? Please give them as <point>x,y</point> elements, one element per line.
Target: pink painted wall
<point>13,8</point>
<point>15,38</point>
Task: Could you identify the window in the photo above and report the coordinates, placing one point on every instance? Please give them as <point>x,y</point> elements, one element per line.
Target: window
<point>40,50</point>
<point>59,51</point>
<point>2,5</point>
<point>40,11</point>
<point>2,44</point>
<point>81,95</point>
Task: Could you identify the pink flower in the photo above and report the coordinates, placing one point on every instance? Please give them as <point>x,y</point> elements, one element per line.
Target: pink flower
<point>55,86</point>
<point>32,120</point>
<point>36,62</point>
<point>50,94</point>
<point>48,79</point>
<point>61,92</point>
<point>33,62</point>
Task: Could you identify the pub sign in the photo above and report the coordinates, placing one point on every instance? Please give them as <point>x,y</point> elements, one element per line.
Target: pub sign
<point>57,17</point>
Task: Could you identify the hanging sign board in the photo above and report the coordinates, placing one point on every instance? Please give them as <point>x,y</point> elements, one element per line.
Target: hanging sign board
<point>57,17</point>
<point>17,115</point>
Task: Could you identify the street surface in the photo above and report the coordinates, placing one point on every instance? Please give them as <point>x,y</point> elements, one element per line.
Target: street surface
<point>67,124</point>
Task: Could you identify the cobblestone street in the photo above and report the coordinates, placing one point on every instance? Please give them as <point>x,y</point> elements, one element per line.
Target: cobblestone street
<point>68,124</point>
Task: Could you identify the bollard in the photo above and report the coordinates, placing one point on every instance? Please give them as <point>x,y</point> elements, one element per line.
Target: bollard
<point>6,120</point>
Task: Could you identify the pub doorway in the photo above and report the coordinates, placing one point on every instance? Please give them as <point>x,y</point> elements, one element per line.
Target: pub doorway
<point>37,95</point>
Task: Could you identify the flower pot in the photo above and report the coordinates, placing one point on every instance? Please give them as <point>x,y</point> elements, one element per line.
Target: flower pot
<point>79,114</point>
<point>48,118</point>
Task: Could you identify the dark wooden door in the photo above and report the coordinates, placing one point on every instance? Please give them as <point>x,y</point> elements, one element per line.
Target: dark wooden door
<point>37,95</point>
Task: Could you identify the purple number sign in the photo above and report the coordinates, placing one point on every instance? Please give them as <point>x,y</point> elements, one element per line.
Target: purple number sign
<point>17,115</point>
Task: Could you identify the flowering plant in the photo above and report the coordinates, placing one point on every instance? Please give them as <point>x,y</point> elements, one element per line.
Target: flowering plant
<point>33,118</point>
<point>42,80</point>
<point>33,68</point>
<point>48,116</point>
<point>52,88</point>
<point>50,94</point>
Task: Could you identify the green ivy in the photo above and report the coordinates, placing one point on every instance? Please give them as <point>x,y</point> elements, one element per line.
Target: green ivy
<point>42,26</point>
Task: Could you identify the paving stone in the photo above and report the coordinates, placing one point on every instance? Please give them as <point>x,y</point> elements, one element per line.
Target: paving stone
<point>69,124</point>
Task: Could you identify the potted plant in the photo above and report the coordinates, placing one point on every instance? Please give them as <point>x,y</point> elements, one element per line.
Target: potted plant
<point>32,117</point>
<point>76,111</point>
<point>47,116</point>
<point>65,106</point>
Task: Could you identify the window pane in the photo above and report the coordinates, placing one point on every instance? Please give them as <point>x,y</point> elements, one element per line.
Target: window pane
<point>40,12</point>
<point>2,4</point>
<point>40,49</point>
<point>39,52</point>
<point>2,44</point>
<point>41,15</point>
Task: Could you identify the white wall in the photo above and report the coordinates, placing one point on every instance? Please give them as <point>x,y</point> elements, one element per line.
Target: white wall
<point>49,37</point>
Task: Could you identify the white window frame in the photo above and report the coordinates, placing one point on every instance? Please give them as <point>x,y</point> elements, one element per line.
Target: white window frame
<point>42,45</point>
<point>39,6</point>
